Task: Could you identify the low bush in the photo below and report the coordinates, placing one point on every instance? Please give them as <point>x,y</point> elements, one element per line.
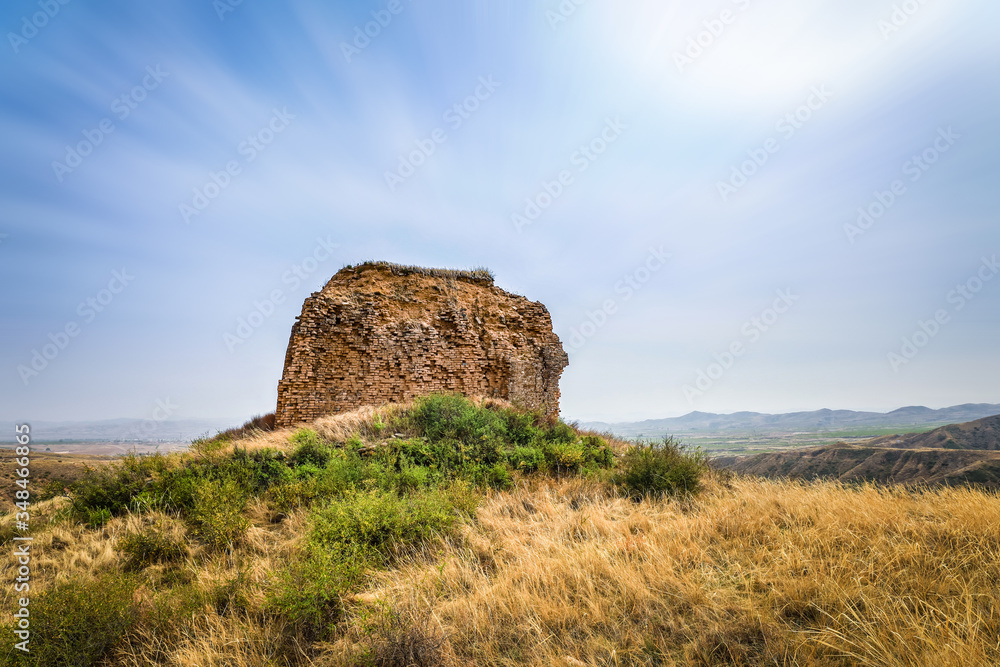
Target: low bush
<point>150,546</point>
<point>478,432</point>
<point>110,490</point>
<point>660,468</point>
<point>526,459</point>
<point>309,592</point>
<point>217,513</point>
<point>309,449</point>
<point>76,623</point>
<point>484,444</point>
<point>376,523</point>
<point>98,517</point>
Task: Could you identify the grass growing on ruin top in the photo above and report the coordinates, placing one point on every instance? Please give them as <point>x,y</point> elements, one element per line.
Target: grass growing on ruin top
<point>478,274</point>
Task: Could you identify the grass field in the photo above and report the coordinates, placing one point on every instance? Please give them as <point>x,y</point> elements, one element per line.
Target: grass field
<point>350,544</point>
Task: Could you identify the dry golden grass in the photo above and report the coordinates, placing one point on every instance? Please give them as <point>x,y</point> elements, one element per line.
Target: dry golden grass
<point>752,573</point>
<point>566,572</point>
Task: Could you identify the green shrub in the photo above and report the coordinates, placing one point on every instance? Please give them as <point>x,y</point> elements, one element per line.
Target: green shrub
<point>52,489</point>
<point>560,432</point>
<point>667,468</point>
<point>308,593</point>
<point>523,428</point>
<point>309,449</point>
<point>217,513</point>
<point>453,417</point>
<point>411,478</point>
<point>255,471</point>
<point>565,457</point>
<point>98,517</point>
<point>526,459</point>
<point>149,547</point>
<point>76,623</point>
<point>378,522</point>
<point>496,476</point>
<point>586,453</point>
<point>113,487</point>
<point>598,451</point>
<point>287,497</point>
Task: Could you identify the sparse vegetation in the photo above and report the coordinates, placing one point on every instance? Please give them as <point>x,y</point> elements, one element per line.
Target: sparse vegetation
<point>661,468</point>
<point>478,274</point>
<point>460,532</point>
<point>144,548</point>
<point>75,623</point>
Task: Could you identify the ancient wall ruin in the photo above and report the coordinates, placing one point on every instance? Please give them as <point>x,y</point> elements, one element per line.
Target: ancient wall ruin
<point>381,332</point>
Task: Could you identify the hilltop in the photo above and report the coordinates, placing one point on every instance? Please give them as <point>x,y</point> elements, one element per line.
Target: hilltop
<point>457,532</point>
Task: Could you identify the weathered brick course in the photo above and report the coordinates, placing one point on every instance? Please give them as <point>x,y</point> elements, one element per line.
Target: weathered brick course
<point>381,332</point>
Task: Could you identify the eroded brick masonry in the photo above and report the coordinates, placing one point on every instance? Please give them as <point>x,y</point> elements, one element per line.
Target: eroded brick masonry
<point>381,332</point>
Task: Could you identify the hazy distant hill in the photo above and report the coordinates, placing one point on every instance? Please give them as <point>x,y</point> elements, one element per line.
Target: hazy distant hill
<point>124,430</point>
<point>953,454</point>
<point>852,463</point>
<point>979,434</point>
<point>816,420</point>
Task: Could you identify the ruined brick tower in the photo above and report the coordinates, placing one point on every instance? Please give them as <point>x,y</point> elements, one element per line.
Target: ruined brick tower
<point>381,332</point>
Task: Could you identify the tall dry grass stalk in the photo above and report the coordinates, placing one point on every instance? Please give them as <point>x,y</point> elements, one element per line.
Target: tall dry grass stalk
<point>752,573</point>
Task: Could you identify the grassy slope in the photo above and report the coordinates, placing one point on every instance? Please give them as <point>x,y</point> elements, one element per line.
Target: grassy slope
<point>981,434</point>
<point>852,463</point>
<point>754,572</point>
<point>54,470</point>
<point>563,570</point>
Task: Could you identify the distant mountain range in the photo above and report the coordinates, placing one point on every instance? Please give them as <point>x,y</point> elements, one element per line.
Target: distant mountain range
<point>119,430</point>
<point>817,420</point>
<point>148,430</point>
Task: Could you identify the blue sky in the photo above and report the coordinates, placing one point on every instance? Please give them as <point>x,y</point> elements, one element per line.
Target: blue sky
<point>213,154</point>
